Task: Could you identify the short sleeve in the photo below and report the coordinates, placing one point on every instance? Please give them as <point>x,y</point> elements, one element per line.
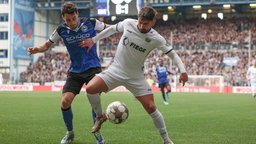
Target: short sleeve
<point>55,37</point>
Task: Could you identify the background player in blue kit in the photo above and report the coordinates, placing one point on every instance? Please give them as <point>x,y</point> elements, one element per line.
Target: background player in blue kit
<point>84,65</point>
<point>163,82</point>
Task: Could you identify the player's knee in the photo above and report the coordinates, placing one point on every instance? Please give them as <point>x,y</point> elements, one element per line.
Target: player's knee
<point>89,89</point>
<point>93,89</point>
<point>65,102</point>
<point>151,108</point>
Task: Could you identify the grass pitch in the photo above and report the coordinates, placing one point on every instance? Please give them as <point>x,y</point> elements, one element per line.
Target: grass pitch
<point>191,118</point>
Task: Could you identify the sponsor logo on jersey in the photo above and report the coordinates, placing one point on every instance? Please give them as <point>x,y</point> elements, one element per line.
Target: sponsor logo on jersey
<point>78,37</point>
<point>84,28</point>
<point>125,41</point>
<point>133,45</point>
<point>137,47</point>
<point>162,69</point>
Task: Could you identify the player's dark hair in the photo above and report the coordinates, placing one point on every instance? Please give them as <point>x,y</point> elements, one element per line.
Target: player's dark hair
<point>68,8</point>
<point>147,13</point>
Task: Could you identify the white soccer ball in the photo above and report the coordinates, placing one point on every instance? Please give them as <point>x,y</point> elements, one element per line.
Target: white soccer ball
<point>117,112</point>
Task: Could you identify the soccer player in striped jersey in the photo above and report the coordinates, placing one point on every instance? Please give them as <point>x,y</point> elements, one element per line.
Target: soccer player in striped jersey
<point>251,76</point>
<point>84,65</point>
<point>137,40</point>
<point>163,82</point>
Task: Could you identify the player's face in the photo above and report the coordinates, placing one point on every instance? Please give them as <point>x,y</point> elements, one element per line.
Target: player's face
<point>144,25</point>
<point>71,20</point>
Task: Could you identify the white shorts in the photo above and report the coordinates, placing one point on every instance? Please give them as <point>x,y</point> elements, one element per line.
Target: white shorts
<point>137,86</point>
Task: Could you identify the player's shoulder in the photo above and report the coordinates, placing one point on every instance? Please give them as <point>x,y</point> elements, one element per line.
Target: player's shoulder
<point>153,33</point>
<point>61,27</point>
<point>85,19</point>
<point>88,21</point>
<point>130,20</point>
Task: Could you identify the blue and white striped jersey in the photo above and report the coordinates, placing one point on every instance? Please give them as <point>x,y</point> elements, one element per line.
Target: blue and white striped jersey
<point>80,59</point>
<point>162,73</point>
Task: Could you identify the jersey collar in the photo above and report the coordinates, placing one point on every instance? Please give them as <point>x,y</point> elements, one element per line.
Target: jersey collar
<point>143,32</point>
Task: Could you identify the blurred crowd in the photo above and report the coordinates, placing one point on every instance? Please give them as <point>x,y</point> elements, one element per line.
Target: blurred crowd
<point>50,67</point>
<point>231,64</point>
<point>207,47</point>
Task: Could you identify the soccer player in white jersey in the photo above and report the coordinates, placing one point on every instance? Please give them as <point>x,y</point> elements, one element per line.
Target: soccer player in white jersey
<point>251,75</point>
<point>137,40</point>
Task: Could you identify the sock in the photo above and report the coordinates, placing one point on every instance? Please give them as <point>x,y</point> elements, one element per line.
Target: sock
<point>93,116</point>
<point>163,95</point>
<point>67,116</point>
<point>98,136</point>
<point>95,102</point>
<point>158,120</point>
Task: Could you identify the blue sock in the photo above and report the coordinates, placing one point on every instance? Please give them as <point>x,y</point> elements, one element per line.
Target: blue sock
<point>97,135</point>
<point>93,116</point>
<point>67,116</point>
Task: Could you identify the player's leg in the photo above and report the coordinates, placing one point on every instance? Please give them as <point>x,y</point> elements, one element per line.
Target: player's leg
<point>93,89</point>
<point>87,77</point>
<point>71,88</point>
<point>148,103</point>
<point>98,136</point>
<point>102,82</point>
<point>253,86</point>
<point>67,116</point>
<point>168,87</point>
<point>163,93</point>
<point>140,88</point>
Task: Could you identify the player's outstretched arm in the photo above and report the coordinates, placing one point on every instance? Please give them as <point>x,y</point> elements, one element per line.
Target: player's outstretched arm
<point>42,48</point>
<point>88,43</point>
<point>176,59</point>
<point>103,34</point>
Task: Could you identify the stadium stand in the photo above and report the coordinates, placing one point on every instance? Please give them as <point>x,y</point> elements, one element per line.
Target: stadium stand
<point>207,47</point>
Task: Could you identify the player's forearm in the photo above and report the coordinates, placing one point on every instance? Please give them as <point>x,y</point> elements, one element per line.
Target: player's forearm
<point>41,48</point>
<point>44,47</point>
<point>176,59</point>
<point>105,33</point>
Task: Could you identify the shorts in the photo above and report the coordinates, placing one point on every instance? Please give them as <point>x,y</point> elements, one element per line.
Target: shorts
<point>137,86</point>
<point>163,85</point>
<point>75,81</point>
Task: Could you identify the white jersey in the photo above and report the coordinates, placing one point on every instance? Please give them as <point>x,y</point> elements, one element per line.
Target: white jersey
<point>252,74</point>
<point>134,47</point>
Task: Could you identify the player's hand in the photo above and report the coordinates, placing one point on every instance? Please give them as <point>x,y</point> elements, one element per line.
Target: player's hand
<point>32,50</point>
<point>183,78</point>
<point>88,43</point>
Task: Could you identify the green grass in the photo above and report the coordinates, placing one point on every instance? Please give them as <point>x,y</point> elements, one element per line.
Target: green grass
<point>191,118</point>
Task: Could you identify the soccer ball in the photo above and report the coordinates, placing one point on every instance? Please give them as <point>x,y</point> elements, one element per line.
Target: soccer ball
<point>117,112</point>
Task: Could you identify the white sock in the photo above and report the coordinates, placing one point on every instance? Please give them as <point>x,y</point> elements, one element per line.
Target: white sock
<point>95,102</point>
<point>158,120</point>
